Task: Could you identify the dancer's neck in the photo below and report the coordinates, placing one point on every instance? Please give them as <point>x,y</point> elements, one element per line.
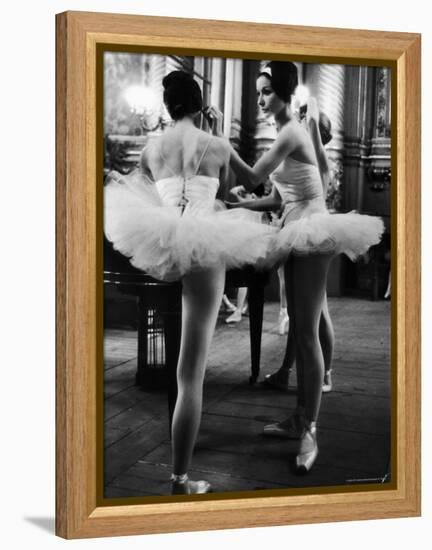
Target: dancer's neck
<point>185,122</point>
<point>284,116</point>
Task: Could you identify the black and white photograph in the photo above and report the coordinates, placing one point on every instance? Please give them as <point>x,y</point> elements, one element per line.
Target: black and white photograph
<point>247,276</point>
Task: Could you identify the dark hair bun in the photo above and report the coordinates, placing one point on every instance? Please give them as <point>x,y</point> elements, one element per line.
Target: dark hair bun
<point>324,125</point>
<point>284,78</point>
<point>182,94</point>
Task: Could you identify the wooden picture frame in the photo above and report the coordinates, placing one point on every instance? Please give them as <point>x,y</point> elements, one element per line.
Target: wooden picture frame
<point>78,290</point>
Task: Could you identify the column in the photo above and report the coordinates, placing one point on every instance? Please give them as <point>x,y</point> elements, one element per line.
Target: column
<point>380,158</point>
<point>228,97</point>
<point>327,84</point>
<point>217,94</point>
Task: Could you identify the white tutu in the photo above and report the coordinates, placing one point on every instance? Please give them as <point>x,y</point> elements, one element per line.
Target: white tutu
<point>308,228</point>
<point>167,242</point>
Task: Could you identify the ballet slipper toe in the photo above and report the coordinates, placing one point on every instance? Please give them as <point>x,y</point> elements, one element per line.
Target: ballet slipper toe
<point>274,381</point>
<point>190,487</point>
<point>308,451</point>
<point>234,318</point>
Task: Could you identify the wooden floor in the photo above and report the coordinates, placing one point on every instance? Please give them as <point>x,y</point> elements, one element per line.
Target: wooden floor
<point>231,453</point>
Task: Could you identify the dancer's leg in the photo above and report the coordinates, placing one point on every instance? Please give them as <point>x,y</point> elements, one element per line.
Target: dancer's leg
<point>280,378</point>
<point>387,293</point>
<point>309,278</point>
<point>228,305</point>
<point>241,298</point>
<point>236,316</point>
<point>202,293</point>
<point>305,280</point>
<point>292,427</point>
<point>289,357</point>
<point>326,334</point>
<point>283,322</point>
<point>282,291</point>
<point>291,352</point>
<point>326,337</point>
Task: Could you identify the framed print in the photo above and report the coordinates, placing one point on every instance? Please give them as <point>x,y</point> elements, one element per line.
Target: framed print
<point>238,275</point>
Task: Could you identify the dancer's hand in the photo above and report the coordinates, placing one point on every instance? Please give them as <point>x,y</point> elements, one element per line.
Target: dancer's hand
<point>215,119</point>
<point>114,175</point>
<point>239,192</point>
<point>230,205</point>
<point>312,112</point>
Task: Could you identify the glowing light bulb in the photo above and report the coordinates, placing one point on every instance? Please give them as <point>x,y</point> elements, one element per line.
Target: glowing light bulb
<point>142,99</point>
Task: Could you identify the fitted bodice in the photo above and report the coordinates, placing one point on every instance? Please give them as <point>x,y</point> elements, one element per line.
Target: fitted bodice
<point>195,191</point>
<point>297,181</point>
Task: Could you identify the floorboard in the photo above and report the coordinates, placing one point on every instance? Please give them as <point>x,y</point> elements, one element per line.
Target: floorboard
<point>231,452</point>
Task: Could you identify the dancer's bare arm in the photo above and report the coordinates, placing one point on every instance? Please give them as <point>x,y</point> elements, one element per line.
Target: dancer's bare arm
<point>271,202</point>
<point>250,176</point>
<point>312,115</point>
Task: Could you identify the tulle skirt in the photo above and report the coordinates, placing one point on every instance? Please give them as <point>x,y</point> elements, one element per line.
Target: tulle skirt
<point>307,227</point>
<point>168,242</point>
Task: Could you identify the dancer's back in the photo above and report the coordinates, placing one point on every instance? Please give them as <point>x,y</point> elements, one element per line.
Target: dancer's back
<point>186,151</point>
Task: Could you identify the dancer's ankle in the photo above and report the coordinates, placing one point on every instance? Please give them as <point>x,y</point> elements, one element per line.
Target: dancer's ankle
<point>310,425</point>
<point>179,478</point>
<point>182,485</point>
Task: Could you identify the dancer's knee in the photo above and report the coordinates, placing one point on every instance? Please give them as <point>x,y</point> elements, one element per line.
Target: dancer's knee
<point>308,340</point>
<point>190,378</point>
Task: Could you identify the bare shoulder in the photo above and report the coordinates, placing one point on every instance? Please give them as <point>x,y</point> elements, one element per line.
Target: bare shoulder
<point>221,147</point>
<point>292,131</point>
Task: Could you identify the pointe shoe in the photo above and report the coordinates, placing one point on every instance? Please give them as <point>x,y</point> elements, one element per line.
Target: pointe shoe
<point>291,428</point>
<point>327,382</point>
<point>283,322</point>
<point>186,486</point>
<point>277,380</point>
<point>234,317</point>
<point>308,450</point>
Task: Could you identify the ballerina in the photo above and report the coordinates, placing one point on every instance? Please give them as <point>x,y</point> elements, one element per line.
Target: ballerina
<point>280,378</point>
<point>308,239</point>
<point>166,219</point>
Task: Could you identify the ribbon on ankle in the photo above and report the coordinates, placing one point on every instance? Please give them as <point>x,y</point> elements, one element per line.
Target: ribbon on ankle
<point>181,478</point>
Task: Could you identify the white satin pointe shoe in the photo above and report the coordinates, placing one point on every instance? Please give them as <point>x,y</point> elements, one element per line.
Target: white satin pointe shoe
<point>182,485</point>
<point>327,382</point>
<point>308,450</point>
<point>283,322</point>
<point>234,317</point>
